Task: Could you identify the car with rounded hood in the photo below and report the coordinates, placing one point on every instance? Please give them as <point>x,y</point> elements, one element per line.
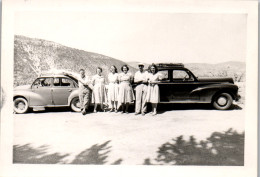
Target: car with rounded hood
<point>50,90</point>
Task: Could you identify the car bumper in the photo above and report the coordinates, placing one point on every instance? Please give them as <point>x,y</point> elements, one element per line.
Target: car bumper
<point>237,97</point>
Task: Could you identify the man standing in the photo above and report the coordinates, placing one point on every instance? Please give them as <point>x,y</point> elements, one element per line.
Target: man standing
<point>140,79</point>
<point>84,90</point>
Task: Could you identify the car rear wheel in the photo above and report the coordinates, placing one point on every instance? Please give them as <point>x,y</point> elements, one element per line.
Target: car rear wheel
<point>75,104</point>
<point>223,101</point>
<point>20,105</point>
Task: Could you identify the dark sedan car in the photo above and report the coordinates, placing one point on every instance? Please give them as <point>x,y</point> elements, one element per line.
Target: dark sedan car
<point>179,85</point>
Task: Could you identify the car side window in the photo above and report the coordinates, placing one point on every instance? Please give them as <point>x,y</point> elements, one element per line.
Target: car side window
<point>163,75</point>
<point>42,82</point>
<point>181,75</point>
<point>66,82</point>
<point>63,82</point>
<point>56,82</point>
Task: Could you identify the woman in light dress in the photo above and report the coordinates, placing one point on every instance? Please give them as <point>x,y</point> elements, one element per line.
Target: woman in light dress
<point>153,92</point>
<point>98,81</point>
<point>113,88</point>
<point>126,94</point>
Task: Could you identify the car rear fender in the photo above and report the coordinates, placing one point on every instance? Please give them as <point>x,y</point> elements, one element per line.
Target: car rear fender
<point>207,93</point>
<point>73,94</point>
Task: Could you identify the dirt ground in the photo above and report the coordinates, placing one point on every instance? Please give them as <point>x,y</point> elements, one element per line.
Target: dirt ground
<point>60,136</point>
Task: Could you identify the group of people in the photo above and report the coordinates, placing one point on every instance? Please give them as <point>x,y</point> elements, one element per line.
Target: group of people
<point>119,91</point>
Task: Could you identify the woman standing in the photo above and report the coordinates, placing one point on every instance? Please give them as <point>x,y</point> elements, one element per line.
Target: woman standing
<point>99,90</point>
<point>113,88</point>
<point>153,93</point>
<point>126,94</point>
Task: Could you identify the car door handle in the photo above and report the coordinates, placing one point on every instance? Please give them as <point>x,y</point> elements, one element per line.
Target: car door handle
<point>69,90</point>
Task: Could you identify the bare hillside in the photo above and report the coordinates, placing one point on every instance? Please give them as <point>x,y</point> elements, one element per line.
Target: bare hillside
<point>33,56</point>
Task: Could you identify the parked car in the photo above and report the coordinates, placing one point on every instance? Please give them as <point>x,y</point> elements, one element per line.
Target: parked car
<point>51,90</point>
<point>179,85</point>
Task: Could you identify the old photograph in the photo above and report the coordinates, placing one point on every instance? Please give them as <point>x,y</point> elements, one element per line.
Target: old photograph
<point>146,88</point>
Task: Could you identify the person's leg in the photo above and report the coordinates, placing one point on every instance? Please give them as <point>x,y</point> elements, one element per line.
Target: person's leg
<point>81,100</point>
<point>102,106</point>
<point>86,100</point>
<point>116,106</point>
<point>95,107</point>
<point>138,99</point>
<point>126,109</point>
<point>154,108</point>
<point>112,106</point>
<point>123,108</point>
<point>144,103</point>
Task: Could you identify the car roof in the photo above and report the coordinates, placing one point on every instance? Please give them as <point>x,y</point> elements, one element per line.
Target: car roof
<point>161,66</point>
<point>53,75</point>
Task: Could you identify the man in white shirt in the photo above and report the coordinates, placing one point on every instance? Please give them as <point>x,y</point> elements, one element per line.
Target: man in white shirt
<point>84,90</point>
<point>140,79</point>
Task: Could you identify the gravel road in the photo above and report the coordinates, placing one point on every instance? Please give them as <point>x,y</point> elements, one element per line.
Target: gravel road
<point>57,136</point>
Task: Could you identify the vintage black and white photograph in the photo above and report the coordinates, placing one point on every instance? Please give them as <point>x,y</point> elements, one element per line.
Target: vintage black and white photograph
<point>147,88</point>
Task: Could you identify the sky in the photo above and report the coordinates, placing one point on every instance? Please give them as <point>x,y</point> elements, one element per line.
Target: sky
<point>144,37</point>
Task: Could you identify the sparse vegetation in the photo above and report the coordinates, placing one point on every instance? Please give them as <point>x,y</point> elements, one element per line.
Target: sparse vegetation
<point>33,56</point>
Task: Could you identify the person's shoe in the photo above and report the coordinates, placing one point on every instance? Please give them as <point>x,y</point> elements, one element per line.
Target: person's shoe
<point>143,113</point>
<point>84,113</point>
<point>116,111</point>
<point>136,113</point>
<point>95,111</point>
<point>154,113</point>
<point>126,112</point>
<point>111,110</point>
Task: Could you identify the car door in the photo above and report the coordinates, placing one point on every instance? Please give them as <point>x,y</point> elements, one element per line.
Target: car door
<point>165,86</point>
<point>62,88</point>
<point>183,83</point>
<point>42,88</point>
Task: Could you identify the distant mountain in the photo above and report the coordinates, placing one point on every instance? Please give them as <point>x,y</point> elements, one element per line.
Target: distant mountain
<point>33,56</point>
<point>134,64</point>
<point>233,69</point>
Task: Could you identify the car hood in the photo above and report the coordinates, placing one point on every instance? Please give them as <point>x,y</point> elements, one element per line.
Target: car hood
<point>22,87</point>
<point>217,80</point>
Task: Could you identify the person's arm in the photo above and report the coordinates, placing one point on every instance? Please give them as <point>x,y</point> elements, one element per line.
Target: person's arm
<point>156,81</point>
<point>131,78</point>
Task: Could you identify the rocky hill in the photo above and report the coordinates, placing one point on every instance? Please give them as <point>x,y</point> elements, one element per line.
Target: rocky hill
<point>34,56</point>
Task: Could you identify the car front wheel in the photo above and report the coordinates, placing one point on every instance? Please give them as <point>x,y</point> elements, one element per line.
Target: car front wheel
<point>223,101</point>
<point>20,105</point>
<point>75,104</point>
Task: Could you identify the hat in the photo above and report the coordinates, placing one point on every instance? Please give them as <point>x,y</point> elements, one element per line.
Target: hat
<point>140,64</point>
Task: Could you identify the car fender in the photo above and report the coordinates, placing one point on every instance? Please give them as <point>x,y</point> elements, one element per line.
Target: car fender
<point>207,92</point>
<point>74,93</point>
<point>22,93</point>
<point>30,95</point>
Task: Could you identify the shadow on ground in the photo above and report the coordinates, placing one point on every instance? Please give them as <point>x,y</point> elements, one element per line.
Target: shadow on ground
<point>220,149</point>
<point>28,155</point>
<point>95,155</point>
